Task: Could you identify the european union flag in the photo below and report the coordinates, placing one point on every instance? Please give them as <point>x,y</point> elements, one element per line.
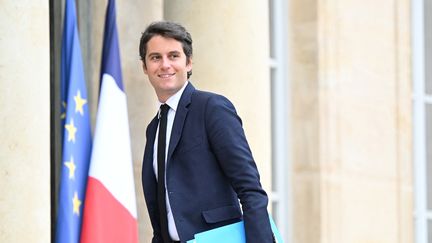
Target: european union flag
<point>76,133</point>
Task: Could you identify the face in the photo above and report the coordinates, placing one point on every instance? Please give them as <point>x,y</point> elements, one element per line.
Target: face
<point>166,66</point>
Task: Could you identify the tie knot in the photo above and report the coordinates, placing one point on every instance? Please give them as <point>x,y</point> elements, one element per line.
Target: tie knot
<point>164,109</point>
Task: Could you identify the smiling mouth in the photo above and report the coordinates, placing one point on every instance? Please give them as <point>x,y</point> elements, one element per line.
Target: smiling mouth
<point>166,75</point>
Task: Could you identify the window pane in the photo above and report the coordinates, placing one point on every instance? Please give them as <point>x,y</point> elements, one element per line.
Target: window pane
<point>271,29</point>
<point>429,154</point>
<point>428,45</point>
<point>429,233</point>
<point>274,174</point>
<point>275,211</point>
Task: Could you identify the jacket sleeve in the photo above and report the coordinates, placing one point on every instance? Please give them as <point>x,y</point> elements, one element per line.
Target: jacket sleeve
<point>228,142</point>
<point>157,239</point>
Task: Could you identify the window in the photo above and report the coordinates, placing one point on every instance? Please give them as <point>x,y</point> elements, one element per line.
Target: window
<point>281,169</point>
<point>422,100</point>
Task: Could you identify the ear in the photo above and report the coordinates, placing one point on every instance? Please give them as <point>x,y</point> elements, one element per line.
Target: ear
<point>189,64</point>
<point>144,67</point>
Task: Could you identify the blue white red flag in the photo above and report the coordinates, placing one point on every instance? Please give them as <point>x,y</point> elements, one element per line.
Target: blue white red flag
<point>110,213</point>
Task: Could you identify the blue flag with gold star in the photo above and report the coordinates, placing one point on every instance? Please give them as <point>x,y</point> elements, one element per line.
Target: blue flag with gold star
<point>76,133</point>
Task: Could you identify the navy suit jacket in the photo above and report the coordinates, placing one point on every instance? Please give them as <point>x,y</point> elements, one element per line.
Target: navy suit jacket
<point>209,168</point>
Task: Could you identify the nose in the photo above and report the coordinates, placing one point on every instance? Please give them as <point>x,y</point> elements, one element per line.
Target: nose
<point>165,62</point>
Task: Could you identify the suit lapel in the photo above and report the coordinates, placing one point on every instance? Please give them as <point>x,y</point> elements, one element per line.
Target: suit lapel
<point>151,135</point>
<point>181,113</point>
<point>152,131</point>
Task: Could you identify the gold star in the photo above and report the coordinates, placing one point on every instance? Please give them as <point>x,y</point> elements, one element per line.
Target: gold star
<point>76,204</point>
<point>79,103</point>
<point>71,131</point>
<point>71,166</point>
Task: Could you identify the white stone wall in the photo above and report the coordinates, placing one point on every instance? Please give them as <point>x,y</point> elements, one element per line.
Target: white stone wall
<point>24,122</point>
<point>353,161</point>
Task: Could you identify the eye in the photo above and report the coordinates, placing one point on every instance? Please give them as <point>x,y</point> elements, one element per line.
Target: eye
<point>155,57</point>
<point>174,55</point>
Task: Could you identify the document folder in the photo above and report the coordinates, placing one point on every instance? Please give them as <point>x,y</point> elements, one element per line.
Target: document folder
<point>232,233</point>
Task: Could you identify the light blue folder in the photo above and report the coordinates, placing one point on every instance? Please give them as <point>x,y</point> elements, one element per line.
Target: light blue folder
<point>232,233</point>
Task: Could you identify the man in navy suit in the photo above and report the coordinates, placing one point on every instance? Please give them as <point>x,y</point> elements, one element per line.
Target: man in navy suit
<point>207,165</point>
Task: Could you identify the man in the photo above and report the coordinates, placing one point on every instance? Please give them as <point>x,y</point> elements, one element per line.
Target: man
<point>197,163</point>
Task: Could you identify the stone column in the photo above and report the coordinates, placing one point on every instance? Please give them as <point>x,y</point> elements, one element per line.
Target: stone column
<point>303,62</point>
<point>231,57</point>
<point>353,156</point>
<point>25,199</point>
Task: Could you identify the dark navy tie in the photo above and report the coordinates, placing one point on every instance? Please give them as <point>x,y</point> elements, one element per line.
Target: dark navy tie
<point>161,172</point>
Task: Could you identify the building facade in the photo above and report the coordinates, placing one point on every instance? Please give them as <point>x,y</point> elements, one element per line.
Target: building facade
<point>333,96</point>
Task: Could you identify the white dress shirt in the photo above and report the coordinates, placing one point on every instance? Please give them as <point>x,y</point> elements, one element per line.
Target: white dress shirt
<point>173,103</point>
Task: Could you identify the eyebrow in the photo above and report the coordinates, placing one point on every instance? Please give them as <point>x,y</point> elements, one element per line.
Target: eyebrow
<point>158,54</point>
<point>174,52</point>
<point>154,54</point>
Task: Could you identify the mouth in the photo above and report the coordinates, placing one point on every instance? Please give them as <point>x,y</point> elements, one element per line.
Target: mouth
<point>166,75</point>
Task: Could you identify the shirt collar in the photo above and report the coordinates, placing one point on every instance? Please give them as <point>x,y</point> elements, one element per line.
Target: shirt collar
<point>174,100</point>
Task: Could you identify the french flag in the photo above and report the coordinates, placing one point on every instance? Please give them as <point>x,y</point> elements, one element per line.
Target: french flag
<point>110,213</point>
